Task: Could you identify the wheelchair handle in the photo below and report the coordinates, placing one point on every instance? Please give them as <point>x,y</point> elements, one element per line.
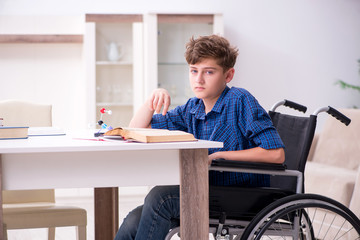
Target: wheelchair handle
<point>290,104</point>
<point>335,113</point>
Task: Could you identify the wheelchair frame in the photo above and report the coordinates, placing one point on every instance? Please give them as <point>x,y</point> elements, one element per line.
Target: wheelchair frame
<point>290,216</point>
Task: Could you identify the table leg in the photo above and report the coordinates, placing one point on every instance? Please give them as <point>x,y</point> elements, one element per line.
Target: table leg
<point>106,201</point>
<point>194,194</point>
<point>1,204</point>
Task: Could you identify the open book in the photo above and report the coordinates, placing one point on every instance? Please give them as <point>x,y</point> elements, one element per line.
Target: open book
<point>149,135</point>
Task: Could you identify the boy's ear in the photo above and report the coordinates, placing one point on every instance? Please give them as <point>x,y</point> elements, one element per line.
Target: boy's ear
<point>229,75</point>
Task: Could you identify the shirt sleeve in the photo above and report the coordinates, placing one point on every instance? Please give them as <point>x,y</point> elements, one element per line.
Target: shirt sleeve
<point>173,120</point>
<point>257,125</point>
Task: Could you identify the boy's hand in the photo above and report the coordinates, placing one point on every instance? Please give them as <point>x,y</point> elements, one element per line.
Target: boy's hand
<point>213,156</point>
<point>160,98</point>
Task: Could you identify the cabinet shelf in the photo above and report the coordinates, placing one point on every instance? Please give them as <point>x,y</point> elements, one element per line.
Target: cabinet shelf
<point>172,63</point>
<point>113,18</point>
<point>41,38</point>
<point>110,63</point>
<point>113,104</point>
<point>186,18</point>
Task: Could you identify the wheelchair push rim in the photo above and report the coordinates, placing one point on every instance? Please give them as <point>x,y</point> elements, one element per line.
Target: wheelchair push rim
<point>318,217</point>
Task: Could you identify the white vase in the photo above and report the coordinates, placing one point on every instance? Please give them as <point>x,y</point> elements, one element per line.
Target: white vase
<point>114,51</point>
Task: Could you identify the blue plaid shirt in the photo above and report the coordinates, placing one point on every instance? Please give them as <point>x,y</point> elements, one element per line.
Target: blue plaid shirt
<point>237,120</point>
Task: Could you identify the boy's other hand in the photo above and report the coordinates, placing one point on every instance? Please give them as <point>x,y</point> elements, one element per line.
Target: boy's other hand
<point>213,156</point>
<point>160,98</point>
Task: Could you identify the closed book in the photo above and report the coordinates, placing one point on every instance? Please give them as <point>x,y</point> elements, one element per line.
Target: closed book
<point>149,135</point>
<point>13,133</point>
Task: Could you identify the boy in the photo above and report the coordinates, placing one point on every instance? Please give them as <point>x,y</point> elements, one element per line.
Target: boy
<point>232,116</point>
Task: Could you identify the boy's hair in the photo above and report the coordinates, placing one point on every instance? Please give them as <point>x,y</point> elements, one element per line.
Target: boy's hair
<point>213,46</point>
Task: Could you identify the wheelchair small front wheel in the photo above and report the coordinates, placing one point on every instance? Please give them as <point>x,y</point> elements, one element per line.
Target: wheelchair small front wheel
<point>304,216</point>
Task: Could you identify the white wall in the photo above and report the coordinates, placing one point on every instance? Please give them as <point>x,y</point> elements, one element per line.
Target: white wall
<point>288,49</point>
<point>297,50</point>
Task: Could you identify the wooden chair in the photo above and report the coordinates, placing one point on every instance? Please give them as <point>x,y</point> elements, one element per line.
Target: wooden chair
<point>23,209</point>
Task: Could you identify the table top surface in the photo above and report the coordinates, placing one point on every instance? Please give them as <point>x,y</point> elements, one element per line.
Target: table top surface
<point>84,141</point>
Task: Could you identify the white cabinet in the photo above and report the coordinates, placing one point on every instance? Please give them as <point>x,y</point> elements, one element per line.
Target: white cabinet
<point>127,56</point>
<point>114,55</point>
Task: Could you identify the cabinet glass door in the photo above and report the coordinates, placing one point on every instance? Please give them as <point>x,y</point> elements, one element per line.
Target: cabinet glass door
<point>114,64</point>
<point>114,72</point>
<point>174,32</point>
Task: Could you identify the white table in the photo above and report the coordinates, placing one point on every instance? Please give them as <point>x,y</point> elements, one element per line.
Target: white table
<point>67,162</point>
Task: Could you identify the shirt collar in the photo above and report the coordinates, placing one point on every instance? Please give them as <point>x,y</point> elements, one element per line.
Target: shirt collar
<point>220,102</point>
<point>199,108</point>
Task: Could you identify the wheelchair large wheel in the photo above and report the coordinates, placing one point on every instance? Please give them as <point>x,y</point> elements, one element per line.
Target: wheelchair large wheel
<point>304,216</point>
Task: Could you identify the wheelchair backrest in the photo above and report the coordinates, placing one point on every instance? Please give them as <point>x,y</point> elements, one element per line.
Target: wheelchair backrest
<point>297,134</point>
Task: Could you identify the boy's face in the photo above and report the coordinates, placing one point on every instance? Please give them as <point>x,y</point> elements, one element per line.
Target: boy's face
<point>208,80</point>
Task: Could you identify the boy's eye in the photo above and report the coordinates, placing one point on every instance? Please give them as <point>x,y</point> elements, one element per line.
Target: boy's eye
<point>209,72</point>
<point>193,71</point>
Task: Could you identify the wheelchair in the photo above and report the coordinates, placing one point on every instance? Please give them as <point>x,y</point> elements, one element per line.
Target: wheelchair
<point>283,210</point>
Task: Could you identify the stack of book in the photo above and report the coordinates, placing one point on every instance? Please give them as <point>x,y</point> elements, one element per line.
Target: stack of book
<point>13,132</point>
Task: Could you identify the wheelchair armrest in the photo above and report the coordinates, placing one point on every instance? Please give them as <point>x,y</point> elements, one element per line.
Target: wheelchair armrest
<point>248,165</point>
<point>260,168</point>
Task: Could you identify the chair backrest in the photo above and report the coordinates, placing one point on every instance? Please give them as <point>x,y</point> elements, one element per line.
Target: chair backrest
<point>297,134</point>
<point>29,196</point>
<point>21,113</point>
<point>25,114</point>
